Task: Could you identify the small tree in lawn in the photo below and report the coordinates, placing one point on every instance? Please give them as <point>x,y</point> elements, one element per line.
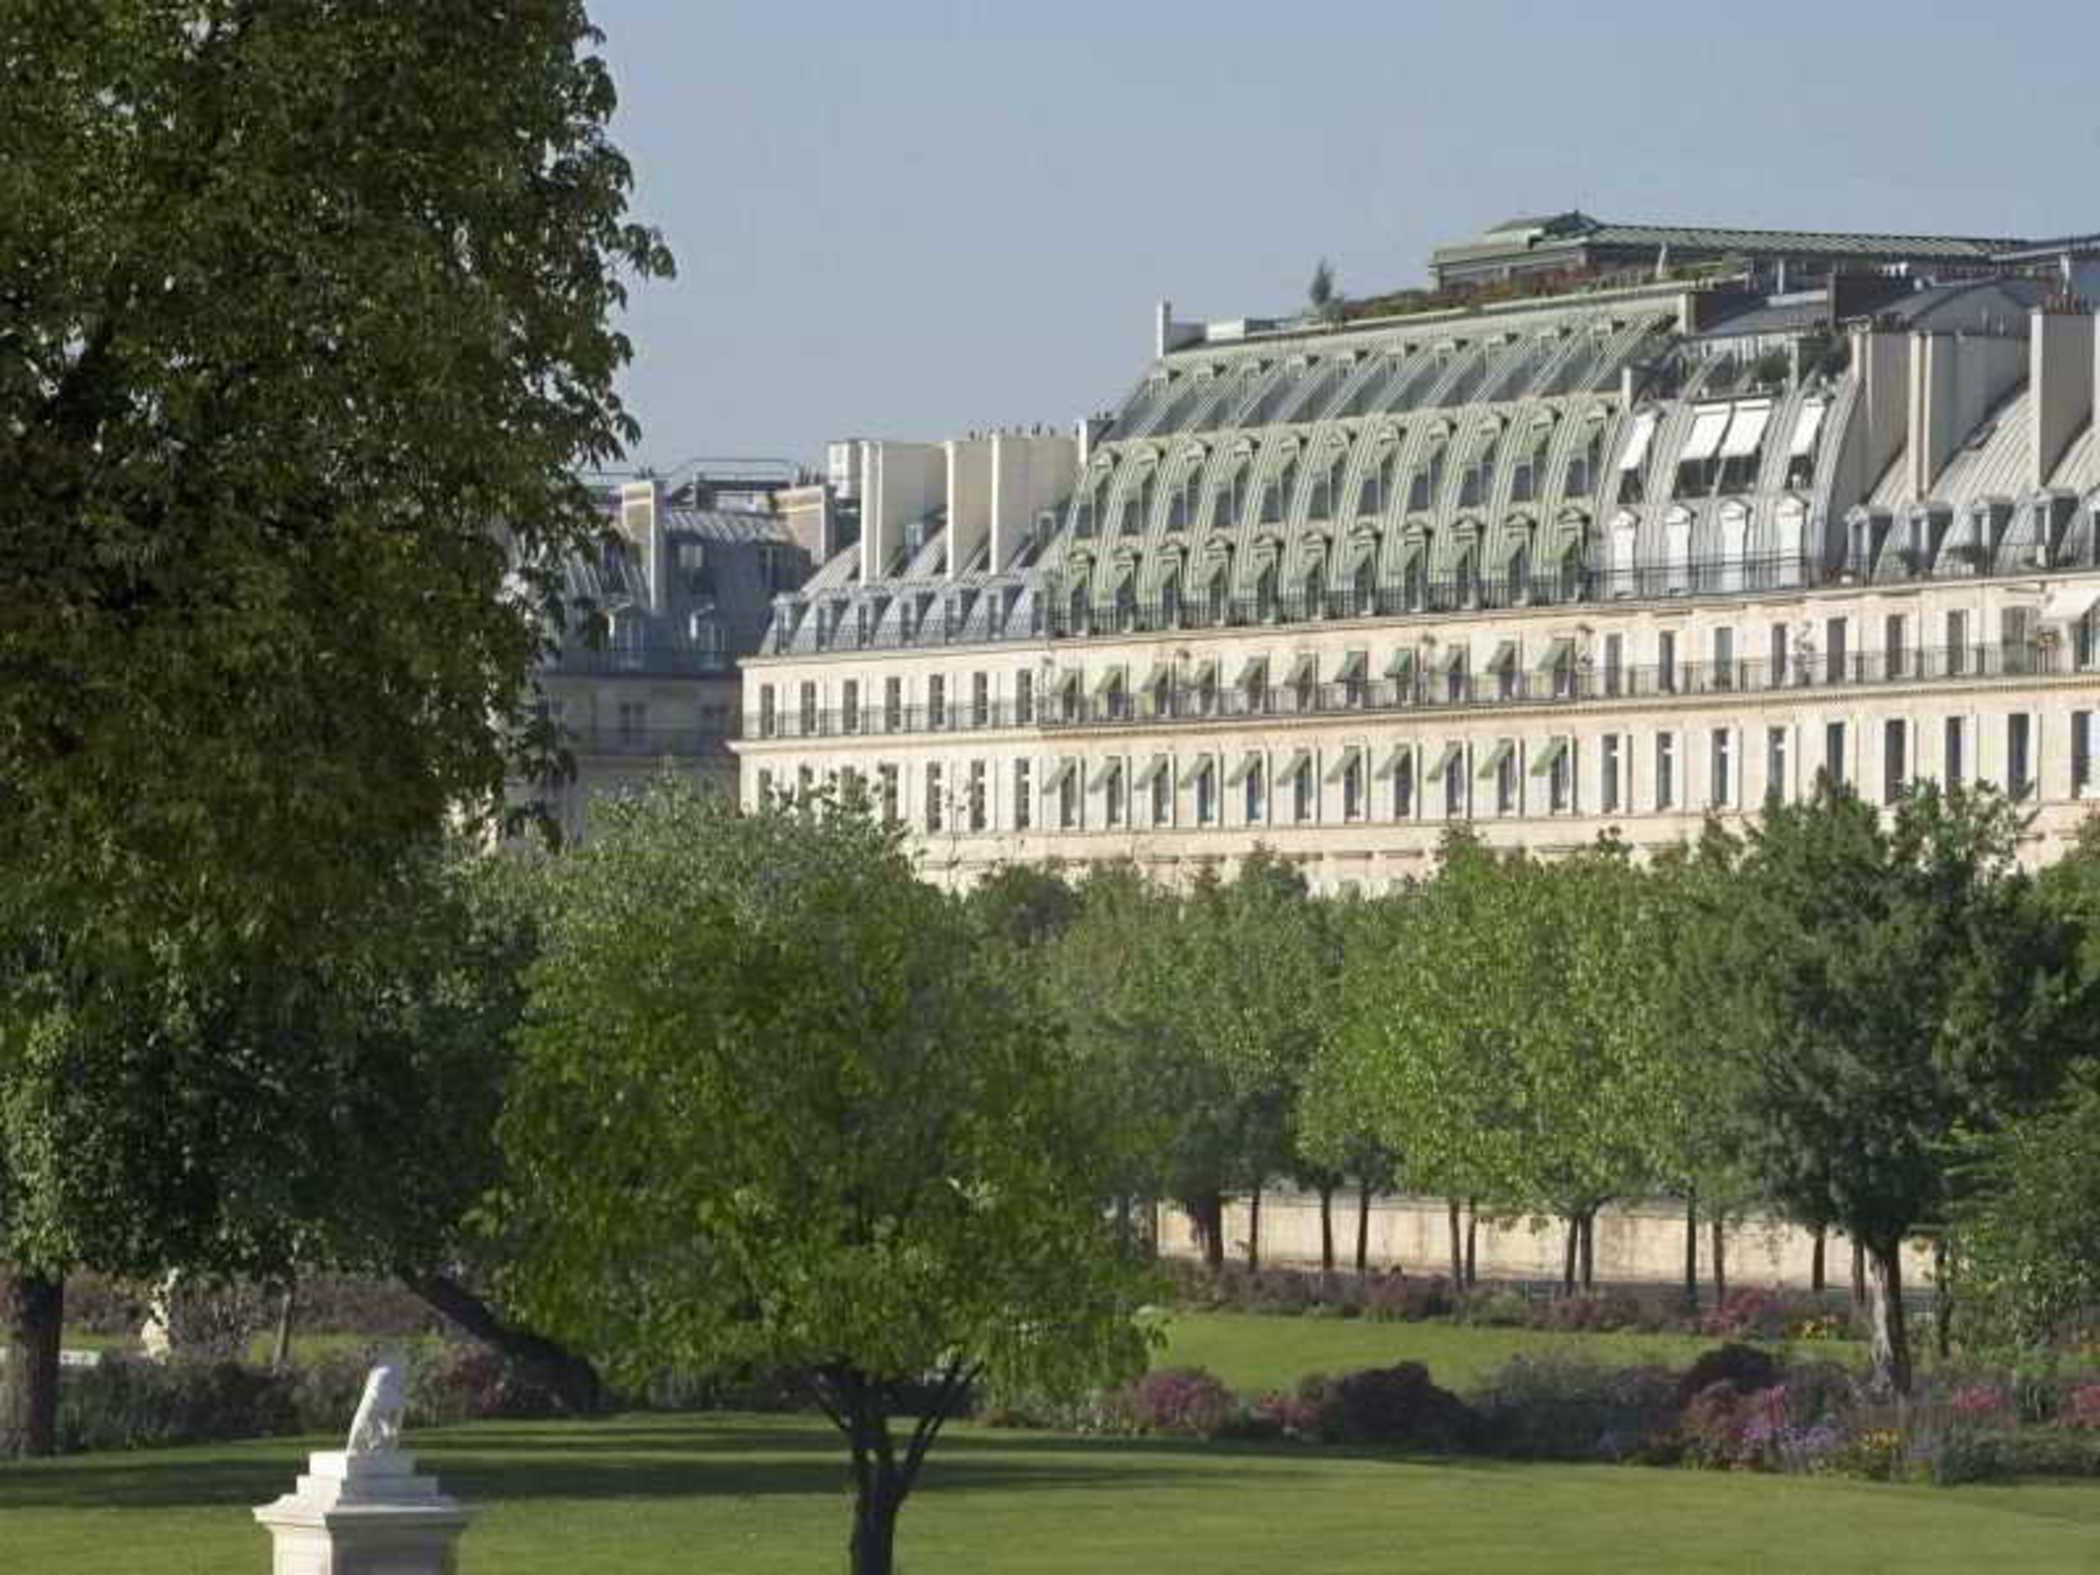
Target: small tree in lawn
<point>1892,985</point>
<point>776,1104</point>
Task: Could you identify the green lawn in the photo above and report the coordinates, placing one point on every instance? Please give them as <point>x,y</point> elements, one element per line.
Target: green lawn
<point>764,1496</point>
<point>1253,1353</point>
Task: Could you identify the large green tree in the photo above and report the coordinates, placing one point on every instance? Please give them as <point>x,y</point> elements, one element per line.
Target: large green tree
<point>303,337</point>
<point>777,1103</point>
<point>1890,985</point>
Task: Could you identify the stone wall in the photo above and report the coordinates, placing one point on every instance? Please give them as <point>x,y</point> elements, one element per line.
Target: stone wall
<point>1635,1243</point>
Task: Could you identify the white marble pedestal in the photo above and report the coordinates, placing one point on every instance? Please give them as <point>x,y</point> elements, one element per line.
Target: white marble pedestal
<point>363,1515</point>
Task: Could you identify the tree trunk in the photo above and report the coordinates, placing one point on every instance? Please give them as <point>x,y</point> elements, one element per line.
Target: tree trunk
<point>1207,1219</point>
<point>1327,1228</point>
<point>1254,1227</point>
<point>1942,1301</point>
<point>873,1550</point>
<point>1472,1240</point>
<point>1890,1342</point>
<point>883,1475</point>
<point>1458,1244</point>
<point>569,1377</point>
<point>36,1318</point>
<point>281,1352</point>
<point>1363,1227</point>
<point>1691,1251</point>
<point>1567,1269</point>
<point>1859,1275</point>
<point>1717,1229</point>
<point>1816,1277</point>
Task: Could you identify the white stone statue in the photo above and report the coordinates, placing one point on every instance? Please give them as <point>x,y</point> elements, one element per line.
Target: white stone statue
<point>377,1428</point>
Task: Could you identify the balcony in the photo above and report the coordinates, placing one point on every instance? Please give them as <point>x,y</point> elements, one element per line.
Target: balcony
<point>647,743</point>
<point>1431,690</point>
<point>657,660</point>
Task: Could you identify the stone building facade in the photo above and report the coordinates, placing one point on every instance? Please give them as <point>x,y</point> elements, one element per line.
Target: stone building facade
<point>1611,558</point>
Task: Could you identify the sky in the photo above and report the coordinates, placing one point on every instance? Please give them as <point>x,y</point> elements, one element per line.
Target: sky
<point>916,220</point>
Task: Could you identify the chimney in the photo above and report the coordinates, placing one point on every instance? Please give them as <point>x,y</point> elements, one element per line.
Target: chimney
<point>2061,373</point>
<point>811,519</point>
<point>642,523</point>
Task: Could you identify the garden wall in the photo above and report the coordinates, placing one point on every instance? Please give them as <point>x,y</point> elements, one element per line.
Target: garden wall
<point>1635,1243</point>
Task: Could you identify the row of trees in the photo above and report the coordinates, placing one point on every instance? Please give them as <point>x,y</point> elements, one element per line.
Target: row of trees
<point>1823,1016</point>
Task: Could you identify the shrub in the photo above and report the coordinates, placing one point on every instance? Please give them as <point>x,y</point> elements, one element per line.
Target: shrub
<point>1171,1400</point>
<point>1982,1403</point>
<point>123,1404</point>
<point>1742,1365</point>
<point>1398,1405</point>
<point>1496,1308</point>
<point>1553,1408</point>
<point>2081,1407</point>
<point>1396,1299</point>
<point>1588,1313</point>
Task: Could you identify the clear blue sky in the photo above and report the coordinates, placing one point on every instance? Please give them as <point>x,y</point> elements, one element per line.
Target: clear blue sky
<point>909,219</point>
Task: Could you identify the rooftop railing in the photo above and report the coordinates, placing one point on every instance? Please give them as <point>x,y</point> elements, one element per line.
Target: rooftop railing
<point>666,660</point>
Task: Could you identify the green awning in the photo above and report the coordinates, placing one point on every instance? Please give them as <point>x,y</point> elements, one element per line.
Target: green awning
<point>1451,755</point>
<point>1493,762</point>
<point>1546,758</point>
<point>1195,771</point>
<point>1104,774</point>
<point>1401,664</point>
<point>1246,768</point>
<point>1344,761</point>
<point>1056,779</point>
<point>1153,768</point>
<point>1396,757</point>
<point>1557,652</point>
<point>1354,665</point>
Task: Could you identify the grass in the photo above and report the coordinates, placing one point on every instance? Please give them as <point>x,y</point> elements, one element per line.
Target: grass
<point>1253,1353</point>
<point>765,1496</point>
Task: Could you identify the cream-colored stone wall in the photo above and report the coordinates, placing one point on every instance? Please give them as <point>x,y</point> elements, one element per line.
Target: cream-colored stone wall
<point>1633,1244</point>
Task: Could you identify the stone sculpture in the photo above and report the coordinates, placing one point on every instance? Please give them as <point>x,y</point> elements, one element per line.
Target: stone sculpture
<point>377,1427</point>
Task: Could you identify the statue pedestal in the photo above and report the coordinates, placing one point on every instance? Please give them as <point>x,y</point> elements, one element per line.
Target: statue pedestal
<point>363,1515</point>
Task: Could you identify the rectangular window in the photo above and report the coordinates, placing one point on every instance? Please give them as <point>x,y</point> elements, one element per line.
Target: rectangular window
<point>1024,795</point>
<point>1608,775</point>
<point>1112,798</point>
<point>936,701</point>
<point>1614,663</point>
<point>1353,786</point>
<point>634,720</point>
<point>1665,770</point>
<point>1895,763</point>
<point>1666,662</point>
<point>886,792</point>
<point>1068,796</point>
<point>768,714</point>
<point>1957,644</point>
<point>2016,640</point>
<point>1560,777</point>
<point>1834,668</point>
<point>806,707</point>
<point>1775,764</point>
<point>1404,787</point>
<point>1775,657</point>
<point>1163,795</point>
<point>1834,753</point>
<point>1303,785</point>
<point>980,699</point>
<point>1455,784</point>
<point>1954,768</point>
<point>1723,647</point>
<point>2019,754</point>
<point>1895,659</point>
<point>979,796</point>
<point>849,705</point>
<point>936,797</point>
<point>1207,794</point>
<point>1721,792</point>
<point>1506,778</point>
<point>1256,801</point>
<point>1024,698</point>
<point>893,705</point>
<point>2081,752</point>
